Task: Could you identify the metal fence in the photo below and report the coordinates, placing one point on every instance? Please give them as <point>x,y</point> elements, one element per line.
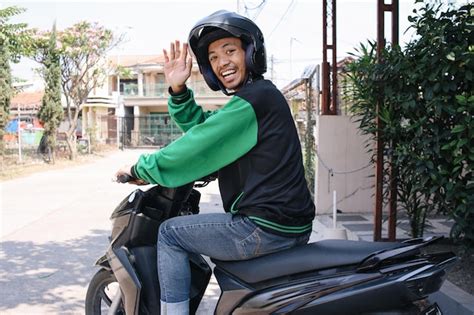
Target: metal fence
<point>157,130</point>
<point>154,130</point>
<point>26,147</point>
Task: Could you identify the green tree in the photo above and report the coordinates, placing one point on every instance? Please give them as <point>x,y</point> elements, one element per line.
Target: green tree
<point>51,111</point>
<point>15,36</point>
<point>6,92</point>
<point>83,48</point>
<point>443,60</point>
<point>14,42</point>
<point>427,113</point>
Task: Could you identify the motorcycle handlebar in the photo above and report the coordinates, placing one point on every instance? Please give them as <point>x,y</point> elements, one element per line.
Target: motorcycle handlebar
<point>124,178</point>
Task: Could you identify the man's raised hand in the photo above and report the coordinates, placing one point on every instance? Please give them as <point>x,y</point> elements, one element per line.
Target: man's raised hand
<point>177,66</point>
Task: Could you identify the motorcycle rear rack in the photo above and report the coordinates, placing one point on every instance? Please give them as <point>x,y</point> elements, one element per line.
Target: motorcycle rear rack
<point>375,260</point>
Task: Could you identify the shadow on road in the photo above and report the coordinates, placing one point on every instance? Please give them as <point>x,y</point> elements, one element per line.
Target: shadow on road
<point>50,273</point>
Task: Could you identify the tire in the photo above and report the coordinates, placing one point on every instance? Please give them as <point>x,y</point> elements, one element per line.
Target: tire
<point>102,287</point>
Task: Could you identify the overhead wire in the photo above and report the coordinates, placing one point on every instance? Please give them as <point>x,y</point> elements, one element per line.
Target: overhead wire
<point>282,17</point>
<point>258,7</point>
<point>260,10</point>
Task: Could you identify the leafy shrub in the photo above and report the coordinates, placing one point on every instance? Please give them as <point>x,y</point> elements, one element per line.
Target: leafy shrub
<point>427,113</point>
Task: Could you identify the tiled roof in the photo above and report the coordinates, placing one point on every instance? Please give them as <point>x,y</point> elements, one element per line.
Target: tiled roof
<point>27,100</point>
<point>135,60</point>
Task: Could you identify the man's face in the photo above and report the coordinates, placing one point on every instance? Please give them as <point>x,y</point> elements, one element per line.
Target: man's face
<point>227,59</point>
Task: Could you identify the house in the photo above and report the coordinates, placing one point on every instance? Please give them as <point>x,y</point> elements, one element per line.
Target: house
<point>24,108</point>
<point>131,108</point>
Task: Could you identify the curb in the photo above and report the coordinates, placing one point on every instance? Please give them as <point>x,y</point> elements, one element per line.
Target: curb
<point>453,300</point>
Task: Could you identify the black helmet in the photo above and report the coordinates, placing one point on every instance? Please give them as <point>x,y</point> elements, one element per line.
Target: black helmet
<point>222,24</point>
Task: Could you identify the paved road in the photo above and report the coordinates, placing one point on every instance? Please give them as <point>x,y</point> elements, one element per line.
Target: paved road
<point>54,225</point>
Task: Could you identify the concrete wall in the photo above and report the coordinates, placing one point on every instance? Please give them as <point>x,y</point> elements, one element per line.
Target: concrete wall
<point>341,148</point>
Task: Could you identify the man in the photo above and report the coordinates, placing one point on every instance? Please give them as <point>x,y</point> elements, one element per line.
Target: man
<point>251,142</point>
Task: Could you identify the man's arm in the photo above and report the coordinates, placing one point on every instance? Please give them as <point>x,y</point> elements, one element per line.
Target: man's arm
<point>203,149</point>
<point>185,111</point>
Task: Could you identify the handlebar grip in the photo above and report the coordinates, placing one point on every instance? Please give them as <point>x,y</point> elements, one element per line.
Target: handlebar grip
<point>124,178</point>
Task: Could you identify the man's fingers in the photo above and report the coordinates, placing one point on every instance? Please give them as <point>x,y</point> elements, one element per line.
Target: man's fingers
<point>139,182</point>
<point>178,49</point>
<point>184,55</point>
<point>172,51</point>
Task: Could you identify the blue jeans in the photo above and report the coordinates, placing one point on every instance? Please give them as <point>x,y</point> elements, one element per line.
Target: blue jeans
<point>218,235</point>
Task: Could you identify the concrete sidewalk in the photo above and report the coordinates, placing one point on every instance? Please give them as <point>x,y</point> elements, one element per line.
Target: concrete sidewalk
<point>360,226</point>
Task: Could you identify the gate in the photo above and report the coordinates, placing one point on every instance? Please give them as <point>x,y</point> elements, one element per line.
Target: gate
<point>154,130</point>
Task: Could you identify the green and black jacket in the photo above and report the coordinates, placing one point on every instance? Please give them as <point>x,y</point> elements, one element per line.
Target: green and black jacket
<point>253,144</point>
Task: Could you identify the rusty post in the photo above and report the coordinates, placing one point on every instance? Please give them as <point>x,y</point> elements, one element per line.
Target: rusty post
<point>334,91</point>
<point>325,69</point>
<point>329,86</point>
<point>392,220</point>
<point>381,9</point>
<point>378,121</point>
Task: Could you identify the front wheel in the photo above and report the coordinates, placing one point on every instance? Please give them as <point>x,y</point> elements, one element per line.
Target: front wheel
<point>100,293</point>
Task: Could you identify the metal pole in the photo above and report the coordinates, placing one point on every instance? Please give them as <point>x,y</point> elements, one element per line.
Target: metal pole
<point>325,74</point>
<point>334,61</point>
<point>20,155</point>
<point>117,111</point>
<point>392,219</point>
<point>378,136</point>
<point>317,103</point>
<point>329,72</point>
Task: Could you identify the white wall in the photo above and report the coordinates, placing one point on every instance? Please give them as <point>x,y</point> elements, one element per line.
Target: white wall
<point>340,147</point>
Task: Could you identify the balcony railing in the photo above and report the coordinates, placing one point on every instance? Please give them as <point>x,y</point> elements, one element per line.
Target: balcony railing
<point>161,90</point>
<point>155,90</point>
<point>129,89</point>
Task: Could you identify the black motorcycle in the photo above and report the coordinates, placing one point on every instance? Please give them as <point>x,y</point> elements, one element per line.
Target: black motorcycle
<point>324,277</point>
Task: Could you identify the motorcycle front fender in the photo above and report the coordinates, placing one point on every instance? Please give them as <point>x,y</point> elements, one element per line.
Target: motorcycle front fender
<point>127,278</point>
<point>103,262</point>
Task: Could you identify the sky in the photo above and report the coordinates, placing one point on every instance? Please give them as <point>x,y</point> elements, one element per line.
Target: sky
<point>292,28</point>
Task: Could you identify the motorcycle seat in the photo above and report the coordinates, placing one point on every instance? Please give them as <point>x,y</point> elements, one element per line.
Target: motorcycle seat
<point>319,255</point>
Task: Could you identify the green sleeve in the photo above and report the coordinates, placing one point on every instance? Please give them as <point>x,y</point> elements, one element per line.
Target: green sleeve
<point>205,148</point>
<point>185,111</point>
